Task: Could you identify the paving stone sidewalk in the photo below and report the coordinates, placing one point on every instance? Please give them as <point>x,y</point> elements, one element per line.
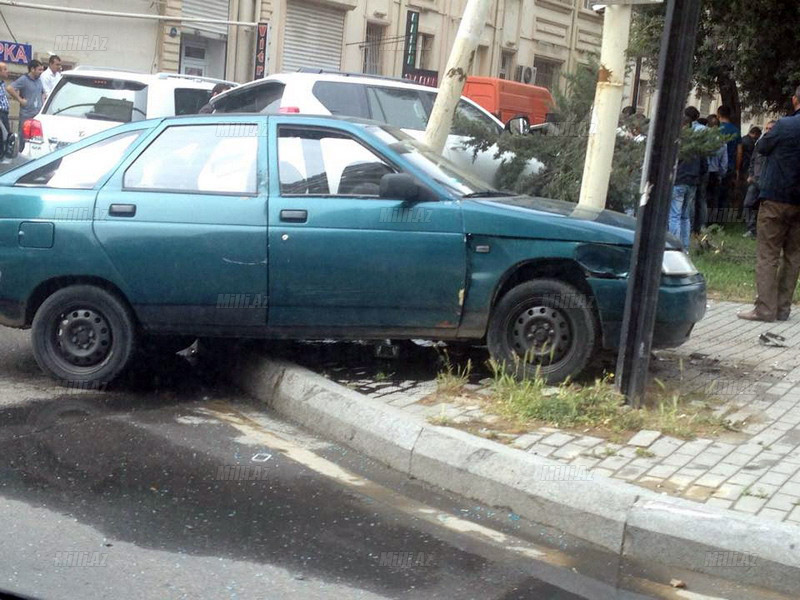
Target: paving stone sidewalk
<point>754,471</point>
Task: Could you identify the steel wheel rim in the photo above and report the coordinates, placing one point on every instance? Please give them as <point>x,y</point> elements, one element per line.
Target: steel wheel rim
<point>82,337</point>
<point>540,335</point>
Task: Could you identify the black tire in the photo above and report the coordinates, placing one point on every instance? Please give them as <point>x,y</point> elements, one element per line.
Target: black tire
<point>83,336</point>
<point>549,322</point>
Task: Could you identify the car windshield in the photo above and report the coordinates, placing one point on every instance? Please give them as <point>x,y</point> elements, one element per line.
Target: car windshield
<point>434,165</point>
<point>100,98</point>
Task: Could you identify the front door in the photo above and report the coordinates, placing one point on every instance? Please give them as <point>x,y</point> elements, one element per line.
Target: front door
<point>341,256</point>
<point>184,222</point>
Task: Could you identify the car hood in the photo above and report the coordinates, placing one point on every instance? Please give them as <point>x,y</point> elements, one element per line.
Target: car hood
<point>545,218</point>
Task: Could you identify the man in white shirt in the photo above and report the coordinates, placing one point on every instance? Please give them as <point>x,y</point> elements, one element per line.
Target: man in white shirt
<point>52,75</point>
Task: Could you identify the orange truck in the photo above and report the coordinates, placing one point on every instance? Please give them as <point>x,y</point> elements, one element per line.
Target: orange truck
<point>507,99</point>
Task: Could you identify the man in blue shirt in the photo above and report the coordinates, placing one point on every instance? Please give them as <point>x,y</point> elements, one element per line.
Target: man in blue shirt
<point>778,227</point>
<point>734,147</point>
<point>717,167</point>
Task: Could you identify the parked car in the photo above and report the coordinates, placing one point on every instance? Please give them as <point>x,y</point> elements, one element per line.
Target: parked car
<point>294,226</point>
<point>396,102</point>
<point>507,99</point>
<point>88,100</point>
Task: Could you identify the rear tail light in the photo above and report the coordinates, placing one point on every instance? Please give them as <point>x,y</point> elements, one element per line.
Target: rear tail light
<point>32,130</point>
<point>286,110</point>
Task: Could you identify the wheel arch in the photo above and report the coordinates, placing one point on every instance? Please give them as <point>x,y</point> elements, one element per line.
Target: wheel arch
<point>47,288</point>
<point>562,269</point>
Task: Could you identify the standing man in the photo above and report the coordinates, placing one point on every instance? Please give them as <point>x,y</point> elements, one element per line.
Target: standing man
<point>28,91</point>
<point>4,108</point>
<point>734,147</point>
<point>52,75</point>
<point>778,220</point>
<point>756,168</point>
<point>717,167</point>
<point>748,145</point>
<point>700,215</point>
<point>684,191</point>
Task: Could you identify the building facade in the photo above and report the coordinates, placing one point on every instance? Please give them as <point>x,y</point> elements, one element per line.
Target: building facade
<point>529,40</point>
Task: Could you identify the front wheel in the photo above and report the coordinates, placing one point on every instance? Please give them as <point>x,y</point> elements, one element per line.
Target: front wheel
<point>83,335</point>
<point>543,328</point>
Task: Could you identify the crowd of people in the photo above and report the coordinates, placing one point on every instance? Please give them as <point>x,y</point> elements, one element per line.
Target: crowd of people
<point>704,186</point>
<point>768,164</point>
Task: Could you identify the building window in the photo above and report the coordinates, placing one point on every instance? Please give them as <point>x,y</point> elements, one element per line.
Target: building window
<point>193,58</point>
<point>506,65</point>
<point>424,52</point>
<point>547,73</point>
<point>373,49</point>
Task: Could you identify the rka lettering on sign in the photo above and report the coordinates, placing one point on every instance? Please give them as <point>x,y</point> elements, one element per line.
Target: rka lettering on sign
<point>18,54</point>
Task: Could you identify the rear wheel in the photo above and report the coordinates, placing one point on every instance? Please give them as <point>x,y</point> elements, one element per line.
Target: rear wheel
<point>83,335</point>
<point>543,327</point>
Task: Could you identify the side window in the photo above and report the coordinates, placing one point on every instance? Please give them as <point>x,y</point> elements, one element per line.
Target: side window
<point>327,163</point>
<point>398,107</point>
<point>263,98</point>
<point>210,159</point>
<point>83,168</point>
<point>468,116</point>
<point>345,99</point>
<point>189,101</point>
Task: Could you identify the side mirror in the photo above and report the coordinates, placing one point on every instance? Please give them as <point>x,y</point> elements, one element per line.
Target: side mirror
<point>399,186</point>
<point>519,125</point>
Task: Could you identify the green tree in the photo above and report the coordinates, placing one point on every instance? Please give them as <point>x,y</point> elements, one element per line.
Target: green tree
<point>745,50</point>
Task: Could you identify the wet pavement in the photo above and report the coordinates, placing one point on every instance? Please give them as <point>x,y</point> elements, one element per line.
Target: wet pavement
<point>173,485</point>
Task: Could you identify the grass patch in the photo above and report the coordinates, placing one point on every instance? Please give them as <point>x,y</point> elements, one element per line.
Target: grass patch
<point>601,408</point>
<point>728,262</point>
<point>453,378</point>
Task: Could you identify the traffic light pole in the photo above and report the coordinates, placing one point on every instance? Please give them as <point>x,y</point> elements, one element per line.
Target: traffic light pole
<point>674,75</point>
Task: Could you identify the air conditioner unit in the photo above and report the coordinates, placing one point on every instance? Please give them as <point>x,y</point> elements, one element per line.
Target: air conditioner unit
<point>519,73</point>
<point>529,76</point>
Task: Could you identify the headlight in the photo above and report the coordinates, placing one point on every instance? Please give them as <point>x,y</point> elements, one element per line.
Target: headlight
<point>677,262</point>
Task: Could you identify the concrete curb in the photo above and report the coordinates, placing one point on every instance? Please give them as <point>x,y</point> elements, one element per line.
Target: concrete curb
<point>639,525</point>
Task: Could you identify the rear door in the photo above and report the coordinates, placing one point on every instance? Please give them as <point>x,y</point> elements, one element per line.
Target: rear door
<point>184,223</point>
<point>341,256</point>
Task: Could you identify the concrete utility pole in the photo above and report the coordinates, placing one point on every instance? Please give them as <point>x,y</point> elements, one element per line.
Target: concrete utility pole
<point>458,66</point>
<point>607,106</point>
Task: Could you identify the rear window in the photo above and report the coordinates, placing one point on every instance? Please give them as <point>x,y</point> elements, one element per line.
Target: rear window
<point>342,99</point>
<point>264,98</point>
<point>189,101</point>
<point>398,107</point>
<point>100,98</point>
<point>82,169</point>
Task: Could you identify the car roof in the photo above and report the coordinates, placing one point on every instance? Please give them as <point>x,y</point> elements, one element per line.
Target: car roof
<point>245,115</point>
<point>286,78</point>
<point>146,78</point>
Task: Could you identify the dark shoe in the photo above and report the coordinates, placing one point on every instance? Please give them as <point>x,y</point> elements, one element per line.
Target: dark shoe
<point>783,316</point>
<point>752,315</point>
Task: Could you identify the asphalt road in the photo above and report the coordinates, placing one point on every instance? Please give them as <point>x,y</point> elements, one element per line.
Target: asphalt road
<point>173,485</point>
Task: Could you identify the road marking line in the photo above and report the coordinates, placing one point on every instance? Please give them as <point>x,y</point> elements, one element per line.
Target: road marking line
<point>256,432</point>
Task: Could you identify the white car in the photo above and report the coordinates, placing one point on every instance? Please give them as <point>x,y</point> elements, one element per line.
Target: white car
<point>396,102</point>
<point>88,100</point>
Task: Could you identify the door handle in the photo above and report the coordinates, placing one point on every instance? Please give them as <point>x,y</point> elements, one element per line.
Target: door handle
<point>122,210</point>
<point>294,216</point>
